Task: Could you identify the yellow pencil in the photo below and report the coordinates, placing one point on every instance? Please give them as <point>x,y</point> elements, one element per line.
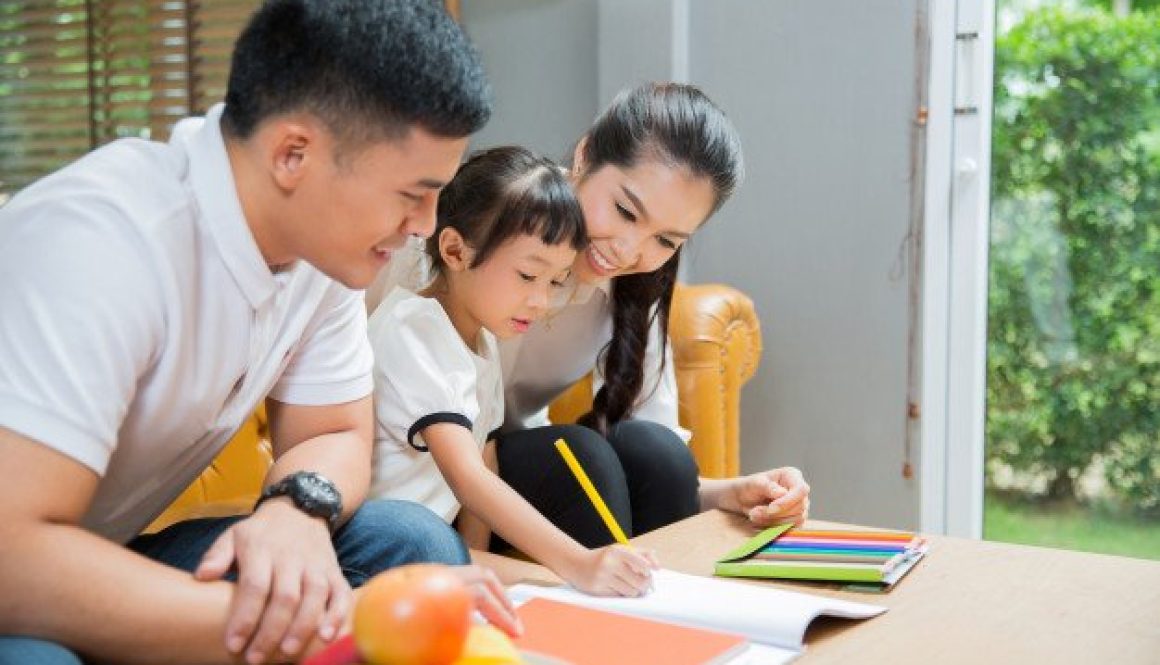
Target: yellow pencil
<point>590,490</point>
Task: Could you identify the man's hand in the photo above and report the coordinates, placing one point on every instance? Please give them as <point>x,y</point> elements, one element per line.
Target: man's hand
<point>772,497</point>
<point>290,587</point>
<point>490,599</point>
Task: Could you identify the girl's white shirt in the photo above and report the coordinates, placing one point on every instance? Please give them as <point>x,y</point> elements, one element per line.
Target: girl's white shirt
<point>557,350</point>
<point>424,373</point>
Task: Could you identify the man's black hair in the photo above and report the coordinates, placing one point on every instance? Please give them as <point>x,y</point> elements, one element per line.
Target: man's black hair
<point>369,69</point>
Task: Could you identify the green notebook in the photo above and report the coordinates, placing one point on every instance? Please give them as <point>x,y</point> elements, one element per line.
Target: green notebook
<point>840,556</point>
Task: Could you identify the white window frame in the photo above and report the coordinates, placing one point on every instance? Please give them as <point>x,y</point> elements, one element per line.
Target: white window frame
<point>955,255</point>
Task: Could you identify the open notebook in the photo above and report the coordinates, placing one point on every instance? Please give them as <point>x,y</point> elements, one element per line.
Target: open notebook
<point>773,619</point>
<point>586,636</point>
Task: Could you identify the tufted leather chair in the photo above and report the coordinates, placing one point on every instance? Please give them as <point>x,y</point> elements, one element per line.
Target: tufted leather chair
<point>716,342</point>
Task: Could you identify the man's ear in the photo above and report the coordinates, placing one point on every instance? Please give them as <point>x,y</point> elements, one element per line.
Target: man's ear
<point>457,254</point>
<point>293,147</point>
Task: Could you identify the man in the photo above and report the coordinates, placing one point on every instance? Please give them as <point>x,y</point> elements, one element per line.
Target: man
<point>152,295</point>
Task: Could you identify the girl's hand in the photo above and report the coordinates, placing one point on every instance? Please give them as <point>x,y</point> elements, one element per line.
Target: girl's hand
<point>772,497</point>
<point>490,598</point>
<point>615,570</point>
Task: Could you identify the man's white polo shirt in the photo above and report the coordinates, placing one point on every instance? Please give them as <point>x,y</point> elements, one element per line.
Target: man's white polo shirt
<point>140,326</point>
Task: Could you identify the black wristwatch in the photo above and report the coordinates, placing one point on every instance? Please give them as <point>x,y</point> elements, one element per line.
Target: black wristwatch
<point>311,492</point>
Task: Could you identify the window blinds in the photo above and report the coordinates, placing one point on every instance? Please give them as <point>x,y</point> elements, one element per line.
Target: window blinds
<point>75,74</point>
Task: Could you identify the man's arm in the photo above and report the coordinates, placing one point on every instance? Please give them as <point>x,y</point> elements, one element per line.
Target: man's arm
<point>62,583</point>
<point>334,440</point>
<point>291,588</point>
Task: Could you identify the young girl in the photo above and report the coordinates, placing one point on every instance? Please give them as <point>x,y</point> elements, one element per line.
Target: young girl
<point>508,232</point>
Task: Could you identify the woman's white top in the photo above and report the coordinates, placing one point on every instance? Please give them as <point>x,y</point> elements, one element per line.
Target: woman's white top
<point>567,344</point>
<point>557,350</point>
<point>425,374</point>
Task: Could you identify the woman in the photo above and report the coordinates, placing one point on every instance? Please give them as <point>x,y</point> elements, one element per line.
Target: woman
<point>656,164</point>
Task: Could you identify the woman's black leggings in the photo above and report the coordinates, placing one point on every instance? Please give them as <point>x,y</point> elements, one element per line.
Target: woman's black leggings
<point>643,470</point>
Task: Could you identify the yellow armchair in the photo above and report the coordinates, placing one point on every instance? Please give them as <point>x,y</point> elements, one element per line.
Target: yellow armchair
<point>716,342</point>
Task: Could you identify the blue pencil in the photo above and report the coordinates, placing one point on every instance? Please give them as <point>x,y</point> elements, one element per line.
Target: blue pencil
<point>833,548</point>
<point>806,550</point>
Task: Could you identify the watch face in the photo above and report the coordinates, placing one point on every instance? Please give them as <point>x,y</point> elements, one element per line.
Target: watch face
<point>317,488</point>
<point>316,495</point>
<point>310,492</point>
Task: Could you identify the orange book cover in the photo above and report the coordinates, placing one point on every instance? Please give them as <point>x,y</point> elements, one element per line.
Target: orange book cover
<point>583,636</point>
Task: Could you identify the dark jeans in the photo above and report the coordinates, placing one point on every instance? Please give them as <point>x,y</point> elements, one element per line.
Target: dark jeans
<point>380,535</point>
<point>643,471</point>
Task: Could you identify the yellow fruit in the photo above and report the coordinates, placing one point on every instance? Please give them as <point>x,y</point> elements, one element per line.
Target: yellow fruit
<point>486,645</point>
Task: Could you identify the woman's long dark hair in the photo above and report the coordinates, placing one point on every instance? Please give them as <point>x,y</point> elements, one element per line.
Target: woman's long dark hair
<point>676,125</point>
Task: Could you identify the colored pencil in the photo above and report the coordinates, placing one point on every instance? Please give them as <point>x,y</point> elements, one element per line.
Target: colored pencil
<point>865,535</point>
<point>832,558</point>
<point>836,544</point>
<point>835,552</point>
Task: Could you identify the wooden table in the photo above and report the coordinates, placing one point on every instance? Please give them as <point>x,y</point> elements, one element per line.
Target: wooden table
<point>968,601</point>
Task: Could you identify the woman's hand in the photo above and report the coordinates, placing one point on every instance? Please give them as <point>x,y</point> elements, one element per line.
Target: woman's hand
<point>771,497</point>
<point>615,570</point>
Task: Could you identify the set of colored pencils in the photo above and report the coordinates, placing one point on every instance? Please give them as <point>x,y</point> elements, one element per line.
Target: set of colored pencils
<point>883,550</point>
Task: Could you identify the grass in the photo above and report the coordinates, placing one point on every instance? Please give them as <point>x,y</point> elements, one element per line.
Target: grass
<point>1012,519</point>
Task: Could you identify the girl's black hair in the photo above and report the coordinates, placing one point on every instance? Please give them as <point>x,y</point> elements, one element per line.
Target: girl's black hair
<point>676,125</point>
<point>504,192</point>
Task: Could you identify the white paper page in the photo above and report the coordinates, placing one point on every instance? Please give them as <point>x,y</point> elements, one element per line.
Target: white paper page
<point>764,654</point>
<point>765,615</point>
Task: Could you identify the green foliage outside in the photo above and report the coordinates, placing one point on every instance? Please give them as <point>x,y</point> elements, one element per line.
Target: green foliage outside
<point>1134,5</point>
<point>1074,341</point>
<point>96,86</point>
<point>1099,528</point>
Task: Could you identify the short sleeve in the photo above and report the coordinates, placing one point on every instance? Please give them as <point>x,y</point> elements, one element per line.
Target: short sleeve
<point>423,372</point>
<point>83,318</point>
<point>658,400</point>
<point>332,365</point>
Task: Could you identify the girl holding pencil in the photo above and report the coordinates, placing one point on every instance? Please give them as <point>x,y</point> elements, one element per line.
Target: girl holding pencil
<point>507,235</point>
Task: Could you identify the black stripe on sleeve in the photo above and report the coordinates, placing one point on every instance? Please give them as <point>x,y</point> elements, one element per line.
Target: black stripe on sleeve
<point>432,419</point>
<point>493,434</point>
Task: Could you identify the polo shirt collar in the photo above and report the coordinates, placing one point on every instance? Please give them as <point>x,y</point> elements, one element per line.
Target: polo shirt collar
<point>221,210</point>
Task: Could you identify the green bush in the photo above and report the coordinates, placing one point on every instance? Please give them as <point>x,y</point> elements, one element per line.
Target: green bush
<point>1074,341</point>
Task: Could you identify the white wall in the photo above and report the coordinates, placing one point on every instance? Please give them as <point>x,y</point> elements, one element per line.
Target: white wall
<point>541,58</point>
<point>822,93</point>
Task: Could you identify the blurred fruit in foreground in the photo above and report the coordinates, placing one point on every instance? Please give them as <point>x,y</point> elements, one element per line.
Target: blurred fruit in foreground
<point>487,645</point>
<point>412,615</point>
